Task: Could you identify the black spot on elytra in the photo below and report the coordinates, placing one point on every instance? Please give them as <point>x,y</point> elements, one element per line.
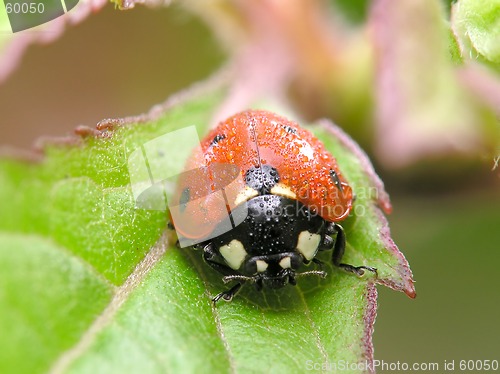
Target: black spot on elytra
<point>185,196</point>
<point>217,139</point>
<point>336,180</point>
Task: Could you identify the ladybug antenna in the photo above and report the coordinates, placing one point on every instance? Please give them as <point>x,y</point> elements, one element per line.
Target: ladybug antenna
<point>319,273</point>
<point>229,278</point>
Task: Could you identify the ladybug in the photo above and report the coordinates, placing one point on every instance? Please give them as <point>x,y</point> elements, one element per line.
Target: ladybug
<point>261,197</point>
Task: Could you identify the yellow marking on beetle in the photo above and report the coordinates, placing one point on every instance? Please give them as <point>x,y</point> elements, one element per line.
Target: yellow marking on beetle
<point>308,244</point>
<point>286,262</point>
<point>234,253</point>
<point>261,266</point>
<point>246,194</point>
<point>282,190</point>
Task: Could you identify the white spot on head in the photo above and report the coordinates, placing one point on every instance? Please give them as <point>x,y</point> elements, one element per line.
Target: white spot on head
<point>308,244</point>
<point>286,262</point>
<point>234,253</point>
<point>244,195</point>
<point>261,265</point>
<point>282,190</point>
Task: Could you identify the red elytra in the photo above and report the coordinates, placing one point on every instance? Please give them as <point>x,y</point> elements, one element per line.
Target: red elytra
<point>245,140</point>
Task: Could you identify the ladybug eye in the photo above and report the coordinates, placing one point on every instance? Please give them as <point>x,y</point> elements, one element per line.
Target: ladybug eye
<point>218,138</point>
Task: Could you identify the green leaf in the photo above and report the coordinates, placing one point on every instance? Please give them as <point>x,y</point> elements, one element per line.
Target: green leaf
<point>354,10</point>
<point>477,24</point>
<point>89,283</point>
<point>44,301</point>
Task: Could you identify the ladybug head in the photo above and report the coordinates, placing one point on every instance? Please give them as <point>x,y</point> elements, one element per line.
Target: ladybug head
<point>277,237</point>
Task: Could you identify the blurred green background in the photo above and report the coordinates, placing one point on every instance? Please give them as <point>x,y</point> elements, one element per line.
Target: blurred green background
<point>116,64</point>
<point>452,244</point>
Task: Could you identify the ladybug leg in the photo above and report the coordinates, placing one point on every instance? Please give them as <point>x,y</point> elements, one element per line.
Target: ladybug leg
<point>338,252</point>
<point>318,262</point>
<point>210,256</point>
<point>228,294</point>
<point>290,274</point>
<point>327,243</point>
<point>259,284</point>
